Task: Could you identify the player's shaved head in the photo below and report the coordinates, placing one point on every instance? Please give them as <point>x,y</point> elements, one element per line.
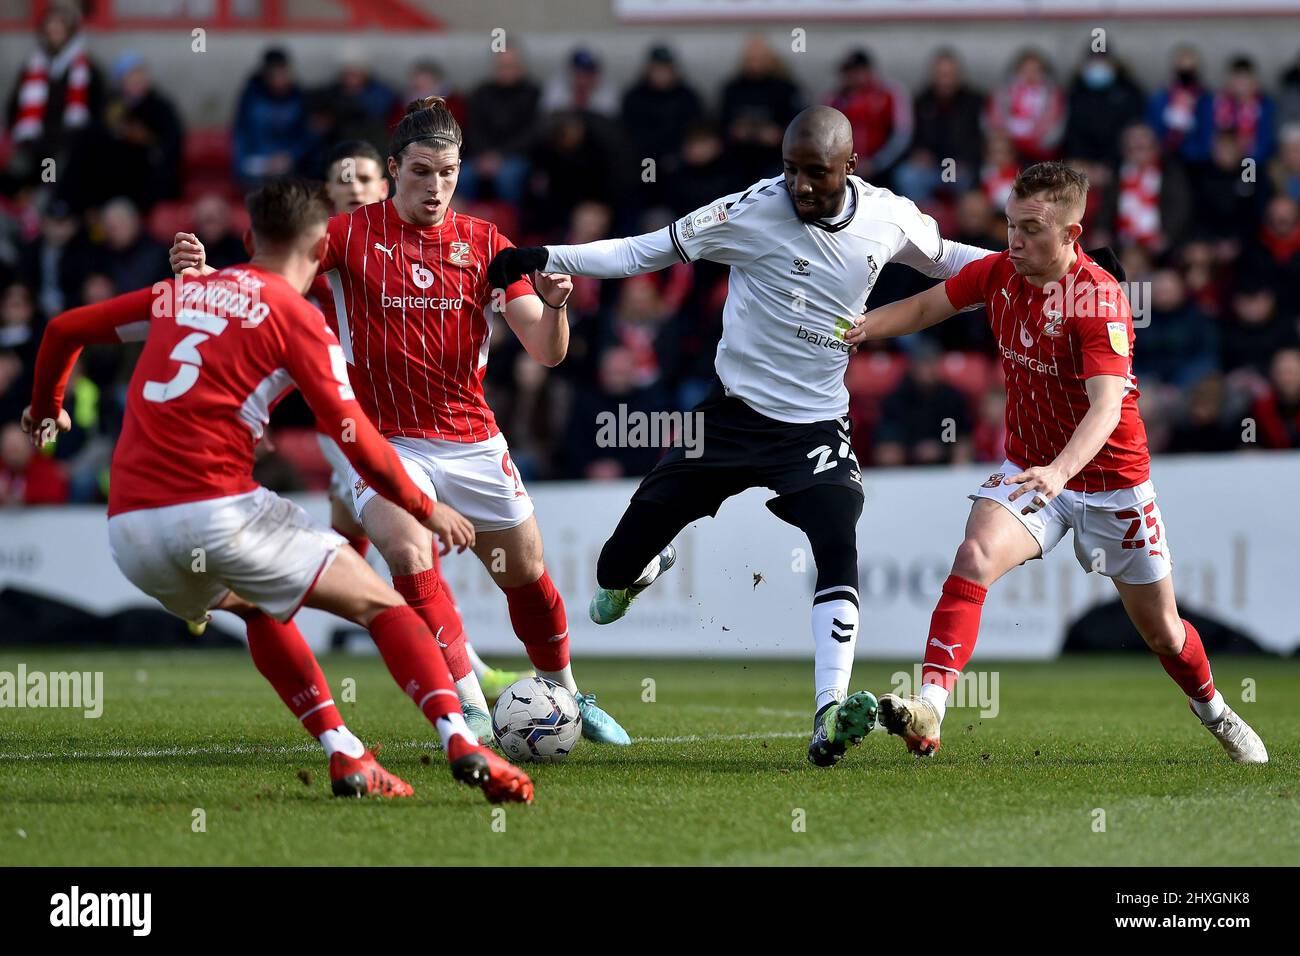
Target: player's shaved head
<point>823,128</point>
<point>818,156</point>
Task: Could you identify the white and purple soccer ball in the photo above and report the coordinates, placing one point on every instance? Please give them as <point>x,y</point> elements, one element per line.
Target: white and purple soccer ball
<point>536,719</point>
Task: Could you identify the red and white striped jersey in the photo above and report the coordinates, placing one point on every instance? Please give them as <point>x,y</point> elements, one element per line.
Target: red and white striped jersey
<point>1052,340</point>
<point>220,351</point>
<point>414,317</point>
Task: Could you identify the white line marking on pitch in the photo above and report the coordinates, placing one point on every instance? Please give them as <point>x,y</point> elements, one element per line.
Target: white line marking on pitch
<point>127,754</point>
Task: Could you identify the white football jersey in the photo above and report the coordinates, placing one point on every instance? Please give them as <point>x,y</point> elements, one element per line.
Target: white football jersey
<point>796,287</point>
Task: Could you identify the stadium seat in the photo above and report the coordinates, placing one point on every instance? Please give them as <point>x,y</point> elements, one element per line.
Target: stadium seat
<point>875,374</point>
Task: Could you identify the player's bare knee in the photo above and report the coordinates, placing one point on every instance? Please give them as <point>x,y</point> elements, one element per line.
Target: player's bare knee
<point>406,557</point>
<point>974,562</point>
<point>1162,635</point>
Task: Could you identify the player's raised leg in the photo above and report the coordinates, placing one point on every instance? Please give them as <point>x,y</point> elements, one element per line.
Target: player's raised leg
<point>407,547</point>
<point>350,589</point>
<point>1154,612</point>
<point>828,514</point>
<point>996,541</point>
<point>514,559</point>
<point>624,570</point>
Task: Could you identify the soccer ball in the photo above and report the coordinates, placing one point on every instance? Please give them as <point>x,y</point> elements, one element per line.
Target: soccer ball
<point>536,719</point>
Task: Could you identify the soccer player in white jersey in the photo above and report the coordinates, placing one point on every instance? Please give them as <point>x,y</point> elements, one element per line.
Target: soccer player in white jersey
<point>805,249</point>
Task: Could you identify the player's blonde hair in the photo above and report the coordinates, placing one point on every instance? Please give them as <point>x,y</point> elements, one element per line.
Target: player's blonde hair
<point>427,119</point>
<point>1058,183</point>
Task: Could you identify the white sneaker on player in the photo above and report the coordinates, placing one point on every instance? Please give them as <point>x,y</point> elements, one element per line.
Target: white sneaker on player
<point>1238,738</point>
<point>912,718</point>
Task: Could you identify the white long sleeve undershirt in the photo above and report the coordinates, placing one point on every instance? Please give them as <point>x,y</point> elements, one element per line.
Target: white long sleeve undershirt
<point>620,258</point>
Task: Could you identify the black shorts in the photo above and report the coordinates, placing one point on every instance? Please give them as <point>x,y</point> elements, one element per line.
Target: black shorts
<point>741,449</point>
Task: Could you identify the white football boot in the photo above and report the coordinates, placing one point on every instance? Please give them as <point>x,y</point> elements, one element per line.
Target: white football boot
<point>1238,737</point>
<point>912,718</point>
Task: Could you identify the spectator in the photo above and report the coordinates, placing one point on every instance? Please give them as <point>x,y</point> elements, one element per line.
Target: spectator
<point>19,338</point>
<point>880,112</point>
<point>145,120</point>
<point>978,223</point>
<point>426,78</point>
<point>1206,424</point>
<point>758,102</point>
<point>1286,167</point>
<point>572,163</point>
<point>999,169</point>
<point>947,128</point>
<point>1227,203</point>
<point>1180,345</point>
<point>271,132</point>
<point>129,257</point>
<point>658,109</point>
<point>1277,253</point>
<point>1277,411</point>
<point>1254,331</point>
<point>1242,109</point>
<point>54,265</point>
<point>213,225</point>
<point>58,95</point>
<point>580,87</point>
<point>1103,100</point>
<point>594,453</point>
<point>356,105</point>
<point>923,421</point>
<point>27,477</point>
<point>503,115</point>
<point>1153,198</point>
<point>700,175</point>
<point>1288,98</point>
<point>1182,114</point>
<point>1030,109</point>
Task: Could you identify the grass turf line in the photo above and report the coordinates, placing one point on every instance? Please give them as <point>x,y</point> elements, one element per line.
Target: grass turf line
<point>717,778</point>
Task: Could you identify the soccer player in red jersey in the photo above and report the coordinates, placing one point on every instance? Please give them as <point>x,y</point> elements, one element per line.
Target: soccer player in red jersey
<point>189,526</point>
<point>409,281</point>
<point>354,178</point>
<point>1076,451</point>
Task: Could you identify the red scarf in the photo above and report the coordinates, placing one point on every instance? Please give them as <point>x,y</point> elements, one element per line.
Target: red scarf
<point>1238,116</point>
<point>1281,247</point>
<point>1139,203</point>
<point>34,90</point>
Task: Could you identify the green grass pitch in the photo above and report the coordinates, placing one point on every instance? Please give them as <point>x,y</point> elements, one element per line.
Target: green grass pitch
<point>719,775</point>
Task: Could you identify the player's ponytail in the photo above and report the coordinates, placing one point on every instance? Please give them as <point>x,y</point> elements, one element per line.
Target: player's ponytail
<point>427,119</point>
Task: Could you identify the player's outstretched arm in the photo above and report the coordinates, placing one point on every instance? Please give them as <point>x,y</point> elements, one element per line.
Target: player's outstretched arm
<point>603,259</point>
<point>543,329</point>
<point>123,318</point>
<point>188,257</point>
<point>903,317</point>
<point>1044,482</point>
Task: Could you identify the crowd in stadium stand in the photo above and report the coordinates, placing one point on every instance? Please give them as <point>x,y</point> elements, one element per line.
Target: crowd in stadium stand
<point>1196,185</point>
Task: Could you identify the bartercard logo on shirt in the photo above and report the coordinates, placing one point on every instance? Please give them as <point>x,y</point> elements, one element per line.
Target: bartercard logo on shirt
<point>834,342</point>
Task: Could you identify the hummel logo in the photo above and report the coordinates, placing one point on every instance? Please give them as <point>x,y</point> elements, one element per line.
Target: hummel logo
<point>843,633</point>
<point>388,252</point>
<point>950,648</point>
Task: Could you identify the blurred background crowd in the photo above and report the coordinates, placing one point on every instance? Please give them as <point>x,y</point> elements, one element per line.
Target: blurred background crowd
<point>1197,185</point>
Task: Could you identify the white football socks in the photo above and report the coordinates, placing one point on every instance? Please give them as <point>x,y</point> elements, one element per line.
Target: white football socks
<point>937,696</point>
<point>562,677</point>
<point>471,692</point>
<point>341,740</point>
<point>1210,710</point>
<point>449,725</point>
<point>835,632</point>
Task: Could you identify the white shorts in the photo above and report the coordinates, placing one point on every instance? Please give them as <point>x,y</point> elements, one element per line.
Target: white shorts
<point>478,479</point>
<point>262,547</point>
<point>1117,533</point>
<point>340,469</point>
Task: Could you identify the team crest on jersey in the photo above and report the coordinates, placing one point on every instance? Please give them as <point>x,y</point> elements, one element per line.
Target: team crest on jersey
<point>359,487</point>
<point>995,479</point>
<point>1055,323</point>
<point>459,255</point>
<point>1118,332</point>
